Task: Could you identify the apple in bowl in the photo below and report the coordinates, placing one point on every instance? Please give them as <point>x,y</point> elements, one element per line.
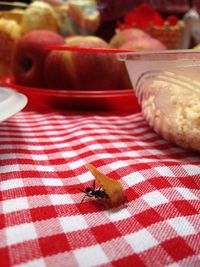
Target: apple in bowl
<point>29,55</point>
<point>77,70</point>
<point>122,36</point>
<point>143,43</point>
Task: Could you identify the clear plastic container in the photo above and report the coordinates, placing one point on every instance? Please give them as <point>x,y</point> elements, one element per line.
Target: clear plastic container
<point>167,85</point>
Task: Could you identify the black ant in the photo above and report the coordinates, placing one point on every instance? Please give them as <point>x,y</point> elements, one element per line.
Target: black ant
<point>93,192</point>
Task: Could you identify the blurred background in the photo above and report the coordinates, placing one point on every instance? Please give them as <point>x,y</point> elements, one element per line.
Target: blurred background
<point>170,24</point>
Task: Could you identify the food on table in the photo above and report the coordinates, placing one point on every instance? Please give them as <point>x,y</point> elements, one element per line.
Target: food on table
<point>84,15</point>
<point>169,30</point>
<point>133,39</point>
<point>173,109</point>
<point>67,27</point>
<point>86,41</point>
<point>10,32</point>
<point>54,2</point>
<point>35,66</point>
<point>40,15</point>
<point>196,47</point>
<point>77,17</point>
<point>187,120</point>
<point>126,35</point>
<point>143,43</point>
<point>83,70</point>
<point>14,14</point>
<point>142,17</point>
<point>29,56</point>
<point>112,187</point>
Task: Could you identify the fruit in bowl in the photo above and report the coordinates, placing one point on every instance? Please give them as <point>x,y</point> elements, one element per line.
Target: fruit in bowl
<point>40,16</point>
<point>126,35</point>
<point>196,47</point>
<point>89,41</point>
<point>29,56</point>
<point>143,43</point>
<point>10,32</point>
<point>34,65</point>
<point>83,70</point>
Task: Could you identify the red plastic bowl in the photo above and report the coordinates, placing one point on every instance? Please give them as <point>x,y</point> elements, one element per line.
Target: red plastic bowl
<point>108,100</point>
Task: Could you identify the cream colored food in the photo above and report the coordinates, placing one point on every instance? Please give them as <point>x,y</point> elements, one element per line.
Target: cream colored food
<point>173,109</point>
<point>40,15</point>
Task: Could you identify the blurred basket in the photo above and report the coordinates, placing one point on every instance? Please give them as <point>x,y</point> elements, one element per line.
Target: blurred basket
<point>170,36</point>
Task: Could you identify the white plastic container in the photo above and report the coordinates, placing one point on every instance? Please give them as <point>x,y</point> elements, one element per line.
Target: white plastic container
<point>167,85</point>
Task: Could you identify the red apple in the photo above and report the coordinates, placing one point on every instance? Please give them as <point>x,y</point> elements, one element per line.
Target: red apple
<point>86,41</point>
<point>29,56</point>
<point>144,43</point>
<point>83,70</point>
<point>139,44</point>
<point>122,36</point>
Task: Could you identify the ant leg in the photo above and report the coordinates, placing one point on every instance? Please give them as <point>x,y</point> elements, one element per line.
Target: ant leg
<point>94,185</point>
<point>86,195</point>
<point>83,198</point>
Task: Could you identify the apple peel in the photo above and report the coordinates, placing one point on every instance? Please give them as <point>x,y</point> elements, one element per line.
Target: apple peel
<point>112,187</point>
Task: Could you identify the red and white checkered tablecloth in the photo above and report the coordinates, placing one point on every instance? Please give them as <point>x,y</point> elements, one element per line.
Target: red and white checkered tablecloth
<point>43,221</point>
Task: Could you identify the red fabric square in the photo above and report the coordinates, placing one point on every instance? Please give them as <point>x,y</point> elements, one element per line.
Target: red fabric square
<point>105,232</point>
<point>4,257</point>
<point>92,205</point>
<point>148,217</point>
<point>159,183</point>
<point>141,165</point>
<point>35,190</point>
<point>185,208</point>
<point>130,261</point>
<point>177,248</point>
<point>131,194</point>
<point>53,244</point>
<point>43,213</point>
<point>13,193</point>
<point>2,221</point>
<point>190,182</point>
<point>29,173</point>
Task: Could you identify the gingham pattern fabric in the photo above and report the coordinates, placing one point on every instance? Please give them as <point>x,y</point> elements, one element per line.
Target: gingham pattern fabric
<point>42,219</point>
